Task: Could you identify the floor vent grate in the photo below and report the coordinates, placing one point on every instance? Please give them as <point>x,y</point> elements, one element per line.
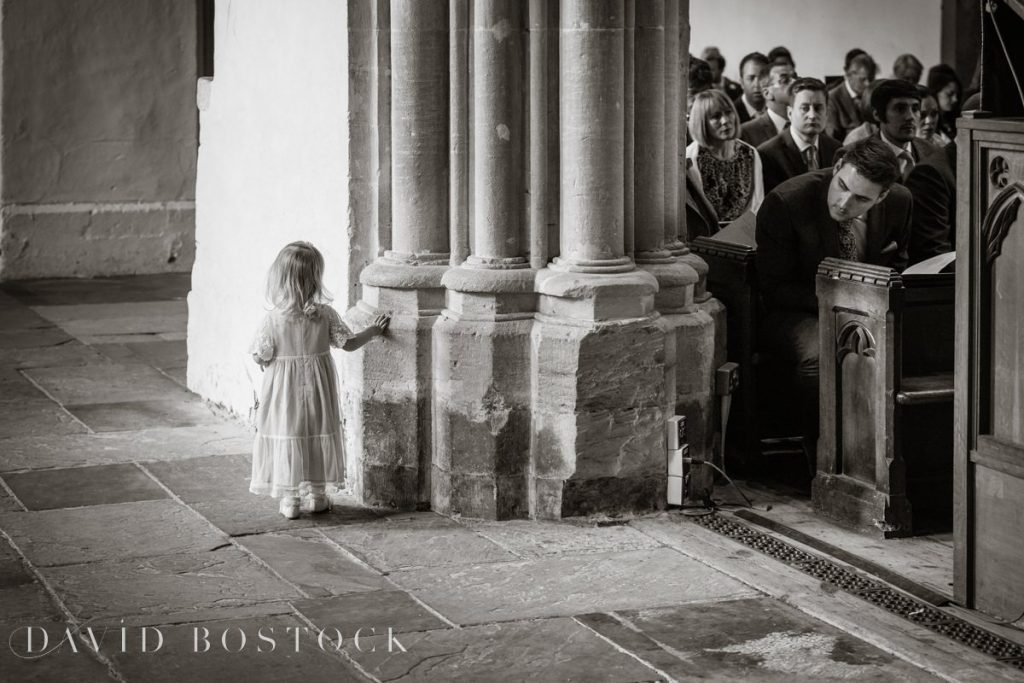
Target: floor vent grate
<point>875,592</point>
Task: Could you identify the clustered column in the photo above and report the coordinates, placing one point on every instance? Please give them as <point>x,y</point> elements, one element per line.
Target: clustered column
<point>481,342</point>
<point>390,423</point>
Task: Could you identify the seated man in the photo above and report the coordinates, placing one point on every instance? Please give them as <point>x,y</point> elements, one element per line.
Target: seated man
<point>855,211</point>
<point>751,104</point>
<point>774,80</point>
<point>801,147</point>
<point>843,111</point>
<point>896,105</point>
<point>933,186</point>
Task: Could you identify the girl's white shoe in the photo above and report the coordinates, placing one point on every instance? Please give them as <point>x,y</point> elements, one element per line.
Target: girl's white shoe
<point>290,507</point>
<point>318,502</point>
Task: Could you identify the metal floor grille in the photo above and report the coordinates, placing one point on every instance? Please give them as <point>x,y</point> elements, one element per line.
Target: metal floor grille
<point>875,592</point>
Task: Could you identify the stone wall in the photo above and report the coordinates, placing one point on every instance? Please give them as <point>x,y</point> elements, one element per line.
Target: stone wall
<point>819,32</point>
<point>98,132</point>
<point>273,168</point>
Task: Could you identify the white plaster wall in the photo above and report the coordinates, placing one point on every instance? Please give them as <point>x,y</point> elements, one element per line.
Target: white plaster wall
<point>272,169</point>
<point>818,32</point>
<point>98,131</point>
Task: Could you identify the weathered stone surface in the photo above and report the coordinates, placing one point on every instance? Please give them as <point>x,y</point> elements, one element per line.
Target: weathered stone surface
<point>762,639</point>
<point>482,417</point>
<point>598,407</point>
<point>97,239</point>
<point>204,479</point>
<point>121,318</point>
<point>68,292</point>
<point>119,447</point>
<point>78,486</point>
<point>15,316</point>
<point>695,351</point>
<point>7,503</point>
<point>184,656</point>
<point>64,355</point>
<point>84,180</point>
<point>548,650</point>
<point>167,584</point>
<point>15,388</point>
<point>374,613</point>
<point>138,415</point>
<point>529,539</point>
<point>35,416</point>
<point>162,354</point>
<point>312,563</point>
<point>60,663</point>
<point>141,529</point>
<point>218,488</point>
<point>105,384</point>
<point>422,542</point>
<point>23,604</point>
<point>13,571</point>
<point>564,586</point>
<point>29,339</point>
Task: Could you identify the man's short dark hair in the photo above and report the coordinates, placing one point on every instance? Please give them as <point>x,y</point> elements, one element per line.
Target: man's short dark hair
<point>855,52</point>
<point>781,55</point>
<point>753,56</point>
<point>863,60</point>
<point>887,91</point>
<point>874,160</point>
<point>908,67</point>
<point>801,84</point>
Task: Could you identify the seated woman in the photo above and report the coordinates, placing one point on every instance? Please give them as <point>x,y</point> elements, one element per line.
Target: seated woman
<point>723,170</point>
<point>928,126</point>
<point>943,81</point>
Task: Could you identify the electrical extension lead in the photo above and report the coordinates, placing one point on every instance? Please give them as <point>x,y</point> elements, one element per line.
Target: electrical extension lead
<point>697,461</point>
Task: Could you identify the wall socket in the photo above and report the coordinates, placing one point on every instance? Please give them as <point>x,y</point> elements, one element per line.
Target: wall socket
<point>727,378</point>
<point>676,432</point>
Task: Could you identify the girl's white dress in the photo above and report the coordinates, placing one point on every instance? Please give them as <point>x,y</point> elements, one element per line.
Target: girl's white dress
<point>298,423</point>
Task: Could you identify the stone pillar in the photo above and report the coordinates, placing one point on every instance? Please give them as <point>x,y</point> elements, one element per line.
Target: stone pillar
<point>675,279</point>
<point>700,336</point>
<point>598,370</point>
<point>391,381</point>
<point>481,342</point>
<point>678,219</point>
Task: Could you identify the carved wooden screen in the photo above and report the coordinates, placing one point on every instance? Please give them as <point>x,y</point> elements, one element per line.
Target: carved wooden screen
<point>990,376</point>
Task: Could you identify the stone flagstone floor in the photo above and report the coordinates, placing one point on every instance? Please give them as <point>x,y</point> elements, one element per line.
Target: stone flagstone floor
<point>124,514</point>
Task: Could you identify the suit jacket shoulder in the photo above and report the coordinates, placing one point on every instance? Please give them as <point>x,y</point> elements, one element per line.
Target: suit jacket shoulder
<point>843,112</point>
<point>758,131</point>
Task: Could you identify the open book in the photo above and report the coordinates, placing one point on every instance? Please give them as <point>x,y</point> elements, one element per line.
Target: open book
<point>943,263</point>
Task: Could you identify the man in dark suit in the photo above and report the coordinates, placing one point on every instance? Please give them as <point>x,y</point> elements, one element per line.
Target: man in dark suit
<point>844,112</point>
<point>750,104</point>
<point>801,147</point>
<point>775,80</point>
<point>896,105</point>
<point>854,210</point>
<point>932,183</point>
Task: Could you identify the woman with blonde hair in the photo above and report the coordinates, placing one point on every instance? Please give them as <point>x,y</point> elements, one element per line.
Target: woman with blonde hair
<point>725,170</point>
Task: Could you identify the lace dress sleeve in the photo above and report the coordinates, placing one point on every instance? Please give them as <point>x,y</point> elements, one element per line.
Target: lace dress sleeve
<point>262,346</point>
<point>338,330</point>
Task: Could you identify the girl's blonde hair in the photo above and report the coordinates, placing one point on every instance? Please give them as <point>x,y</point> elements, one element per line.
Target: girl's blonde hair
<point>705,103</point>
<point>295,281</point>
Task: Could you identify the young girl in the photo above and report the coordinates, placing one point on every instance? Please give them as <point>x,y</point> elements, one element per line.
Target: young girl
<point>298,424</point>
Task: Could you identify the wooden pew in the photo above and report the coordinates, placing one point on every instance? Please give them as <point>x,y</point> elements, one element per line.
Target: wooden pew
<point>886,386</point>
<point>732,280</point>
